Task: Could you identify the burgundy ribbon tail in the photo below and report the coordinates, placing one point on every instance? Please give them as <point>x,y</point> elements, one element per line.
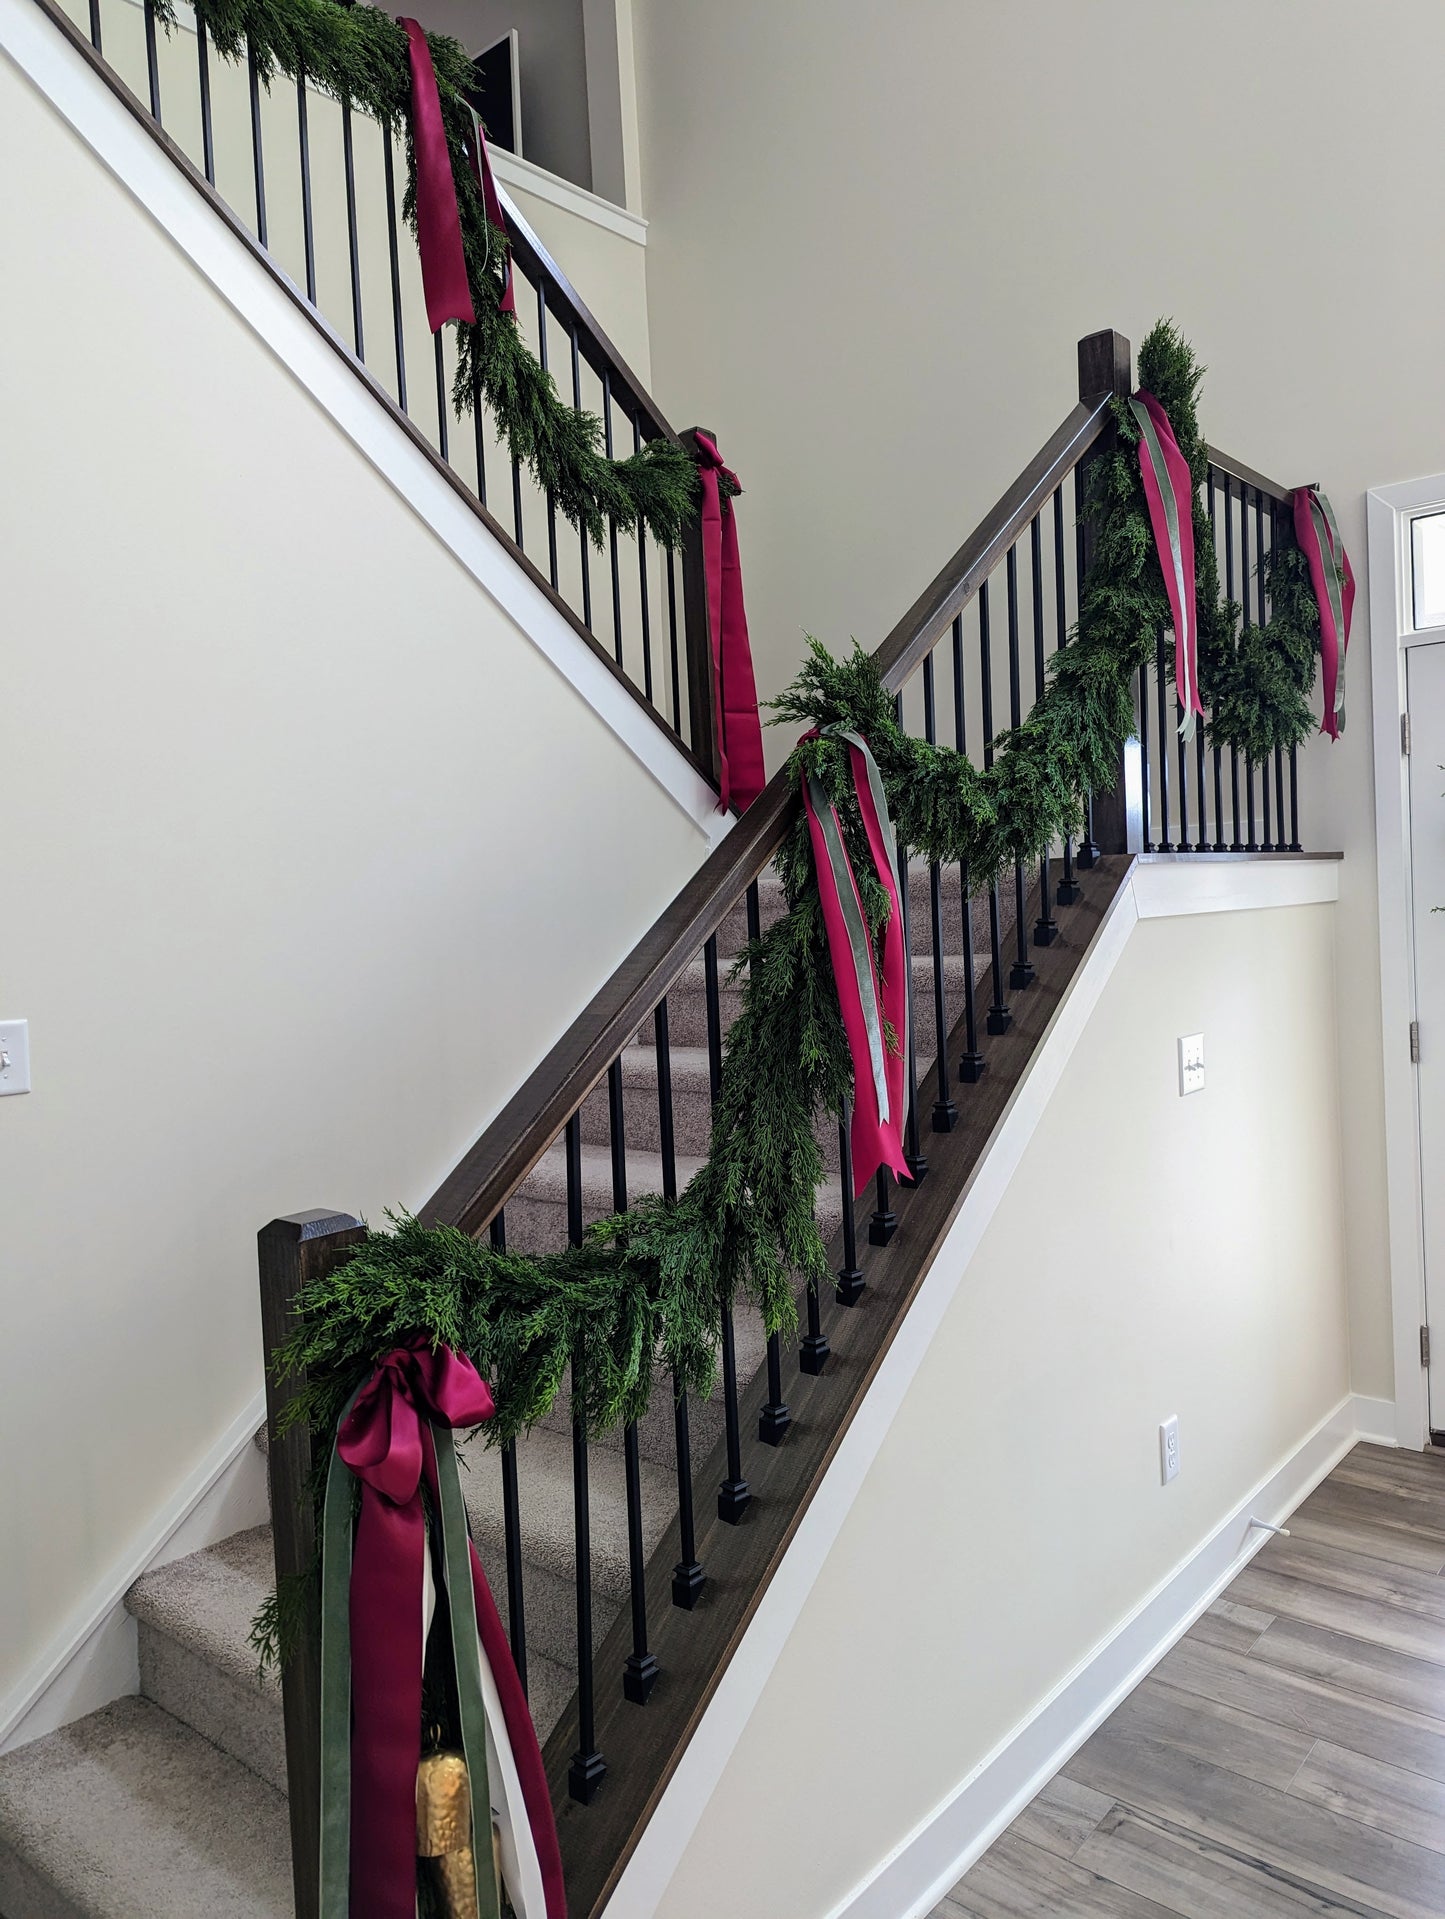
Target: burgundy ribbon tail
<point>382,1443</point>
<point>492,204</point>
<point>1334,635</point>
<point>741,774</point>
<point>438,221</point>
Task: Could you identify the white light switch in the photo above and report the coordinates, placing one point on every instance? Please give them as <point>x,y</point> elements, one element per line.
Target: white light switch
<point>14,1056</point>
<point>1191,1064</point>
<point>1169,1450</point>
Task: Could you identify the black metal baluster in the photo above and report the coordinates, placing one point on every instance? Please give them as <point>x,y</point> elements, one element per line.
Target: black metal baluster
<point>348,156</point>
<point>639,1671</point>
<point>688,1577</point>
<point>734,1494</point>
<point>1088,853</point>
<point>258,167</point>
<point>999,1017</point>
<point>395,260</point>
<point>1182,746</point>
<point>1045,929</point>
<point>588,1767</point>
<point>1294,839</point>
<point>882,1221</point>
<point>1021,973</point>
<point>95,26</point>
<point>479,439</point>
<point>1260,620</point>
<point>512,1519</point>
<point>1161,695</point>
<point>583,542</point>
<point>672,643</point>
<point>518,530</point>
<point>1068,892</point>
<point>552,573</point>
<point>945,1113</point>
<point>1266,615</point>
<point>850,1282</point>
<point>775,1417</point>
<point>303,139</point>
<point>203,81</point>
<point>442,432</point>
<point>612,524</point>
<point>642,584</point>
<point>1218,757</point>
<point>153,71</point>
<point>1236,845</point>
<point>971,1061</point>
<point>1252,844</point>
<point>913,1154</point>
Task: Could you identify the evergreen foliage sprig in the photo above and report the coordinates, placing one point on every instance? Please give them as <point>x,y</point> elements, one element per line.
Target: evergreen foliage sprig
<point>358,54</point>
<point>642,1294</point>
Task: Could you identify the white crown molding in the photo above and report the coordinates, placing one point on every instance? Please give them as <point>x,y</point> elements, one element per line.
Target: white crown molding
<point>524,176</point>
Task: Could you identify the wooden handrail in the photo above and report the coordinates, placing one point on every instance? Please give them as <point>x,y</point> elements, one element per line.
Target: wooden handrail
<point>496,1164</point>
<point>1246,475</point>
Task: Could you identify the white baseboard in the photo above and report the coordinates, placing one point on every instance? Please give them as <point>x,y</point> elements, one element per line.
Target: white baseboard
<point>1376,1420</point>
<point>92,1659</point>
<point>933,1857</point>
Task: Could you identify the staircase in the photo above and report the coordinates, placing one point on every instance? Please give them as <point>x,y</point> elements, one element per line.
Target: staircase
<point>174,1803</point>
<point>628,1567</point>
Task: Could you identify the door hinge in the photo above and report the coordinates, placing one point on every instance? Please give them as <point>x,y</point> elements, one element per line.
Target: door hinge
<point>1424,1345</point>
<point>1405,734</point>
<point>1414,1042</point>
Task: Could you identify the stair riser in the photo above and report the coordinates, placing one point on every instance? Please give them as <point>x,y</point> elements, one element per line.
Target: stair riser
<point>691,1123</point>
<point>245,1721</point>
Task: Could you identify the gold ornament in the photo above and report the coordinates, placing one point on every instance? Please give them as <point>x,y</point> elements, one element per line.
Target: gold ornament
<point>444,1832</point>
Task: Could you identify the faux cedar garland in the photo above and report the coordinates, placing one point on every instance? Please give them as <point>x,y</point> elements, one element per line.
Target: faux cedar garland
<point>361,56</point>
<point>640,1296</point>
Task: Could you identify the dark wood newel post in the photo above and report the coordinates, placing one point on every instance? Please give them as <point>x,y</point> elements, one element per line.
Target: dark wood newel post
<point>1115,823</point>
<point>292,1252</point>
<point>701,689</point>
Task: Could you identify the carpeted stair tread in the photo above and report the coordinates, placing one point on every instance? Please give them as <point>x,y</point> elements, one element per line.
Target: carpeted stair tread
<point>207,1601</point>
<point>196,1659</point>
<point>544,1482</point>
<point>127,1814</point>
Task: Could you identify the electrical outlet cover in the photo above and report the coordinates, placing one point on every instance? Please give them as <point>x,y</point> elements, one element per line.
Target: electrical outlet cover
<point>14,1056</point>
<point>1191,1064</point>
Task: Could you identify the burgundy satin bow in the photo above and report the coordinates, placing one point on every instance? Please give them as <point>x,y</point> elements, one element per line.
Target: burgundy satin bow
<point>385,1442</point>
<point>741,774</point>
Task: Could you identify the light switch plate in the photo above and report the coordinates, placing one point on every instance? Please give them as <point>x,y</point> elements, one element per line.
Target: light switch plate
<point>1191,1064</point>
<point>14,1056</point>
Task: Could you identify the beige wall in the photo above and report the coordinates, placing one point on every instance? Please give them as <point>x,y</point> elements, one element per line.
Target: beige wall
<point>877,233</point>
<point>1152,1256</point>
<point>283,876</point>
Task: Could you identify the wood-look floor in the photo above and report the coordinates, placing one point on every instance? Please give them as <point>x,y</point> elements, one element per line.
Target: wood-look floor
<point>1287,1757</point>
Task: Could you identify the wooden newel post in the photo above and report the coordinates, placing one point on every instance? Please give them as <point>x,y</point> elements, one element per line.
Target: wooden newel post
<point>1115,820</point>
<point>701,680</point>
<point>292,1253</point>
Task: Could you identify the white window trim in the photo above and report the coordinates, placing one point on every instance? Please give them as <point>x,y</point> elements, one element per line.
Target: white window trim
<point>1390,510</point>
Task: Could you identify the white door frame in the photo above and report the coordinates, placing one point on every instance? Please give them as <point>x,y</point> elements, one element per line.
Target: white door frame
<point>1390,510</point>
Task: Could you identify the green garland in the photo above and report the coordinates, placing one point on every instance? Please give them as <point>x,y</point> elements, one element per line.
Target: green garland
<point>359,55</point>
<point>642,1293</point>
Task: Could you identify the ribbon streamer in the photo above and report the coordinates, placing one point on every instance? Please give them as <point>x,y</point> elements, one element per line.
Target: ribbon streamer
<point>1333,579</point>
<point>868,1010</point>
<point>481,165</point>
<point>741,775</point>
<point>1169,490</point>
<point>438,222</point>
<point>375,1607</point>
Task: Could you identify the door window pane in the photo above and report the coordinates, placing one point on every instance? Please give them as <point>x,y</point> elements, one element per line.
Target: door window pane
<point>1427,568</point>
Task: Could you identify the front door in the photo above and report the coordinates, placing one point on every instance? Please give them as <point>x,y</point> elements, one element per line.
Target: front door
<point>1425,693</point>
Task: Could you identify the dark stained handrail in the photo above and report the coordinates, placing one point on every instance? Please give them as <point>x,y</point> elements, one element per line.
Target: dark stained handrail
<point>496,1164</point>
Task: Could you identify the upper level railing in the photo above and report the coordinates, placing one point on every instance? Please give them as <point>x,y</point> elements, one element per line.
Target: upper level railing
<point>316,187</point>
<point>966,662</point>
